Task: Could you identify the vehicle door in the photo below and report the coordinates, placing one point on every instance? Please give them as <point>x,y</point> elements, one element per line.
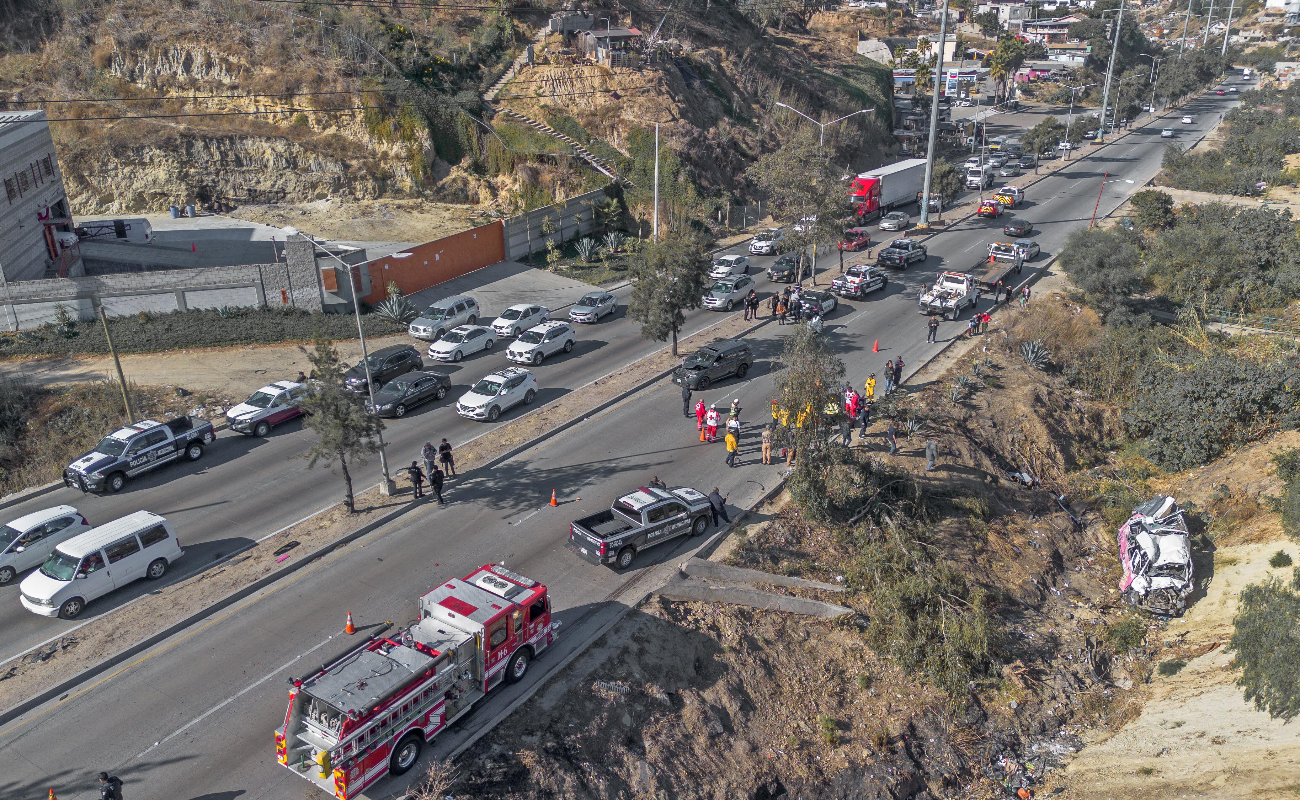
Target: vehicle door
<point>125,568</point>
<point>743,286</point>
<point>511,392</point>
<point>423,389</point>
<point>552,341</point>
<point>475,340</point>
<point>676,519</point>
<point>393,366</point>
<point>43,540</point>
<point>496,640</point>
<point>280,410</point>
<point>148,450</point>
<point>657,524</point>
<point>94,577</point>
<point>295,401</point>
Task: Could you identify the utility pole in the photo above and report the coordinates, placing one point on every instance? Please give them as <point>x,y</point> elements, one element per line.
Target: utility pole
<point>1110,72</point>
<point>121,379</point>
<point>1182,43</point>
<point>1205,29</point>
<point>934,120</point>
<point>654,226</point>
<point>9,297</point>
<point>1232,6</point>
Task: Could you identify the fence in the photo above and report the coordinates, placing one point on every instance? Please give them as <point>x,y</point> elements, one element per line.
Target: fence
<point>435,262</point>
<point>741,217</point>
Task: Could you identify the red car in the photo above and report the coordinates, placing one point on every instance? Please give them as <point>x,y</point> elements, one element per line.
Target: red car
<point>1220,92</point>
<point>856,239</point>
<point>989,209</point>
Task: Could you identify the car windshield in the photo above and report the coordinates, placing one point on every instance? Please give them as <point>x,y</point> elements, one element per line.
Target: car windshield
<point>590,300</point>
<point>487,387</point>
<point>60,566</point>
<point>260,400</point>
<point>396,387</point>
<point>701,359</point>
<point>722,287</point>
<point>7,535</point>
<point>896,215</point>
<point>530,337</point>
<point>110,446</point>
<point>434,312</point>
<point>767,236</point>
<point>453,336</point>
<point>375,361</point>
<point>512,313</point>
<point>724,262</point>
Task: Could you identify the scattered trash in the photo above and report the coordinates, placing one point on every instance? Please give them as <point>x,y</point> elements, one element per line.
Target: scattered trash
<point>1155,551</point>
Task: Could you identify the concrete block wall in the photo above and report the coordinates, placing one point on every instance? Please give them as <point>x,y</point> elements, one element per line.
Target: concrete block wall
<point>574,220</point>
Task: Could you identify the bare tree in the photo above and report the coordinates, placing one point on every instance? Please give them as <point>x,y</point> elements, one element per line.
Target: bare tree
<point>436,783</point>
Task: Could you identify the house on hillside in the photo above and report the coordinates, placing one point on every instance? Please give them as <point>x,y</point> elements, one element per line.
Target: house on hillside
<point>36,238</point>
<point>613,47</point>
<point>1049,31</point>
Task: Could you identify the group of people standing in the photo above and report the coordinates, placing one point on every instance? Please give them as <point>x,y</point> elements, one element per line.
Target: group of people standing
<point>439,464</point>
<point>787,304</point>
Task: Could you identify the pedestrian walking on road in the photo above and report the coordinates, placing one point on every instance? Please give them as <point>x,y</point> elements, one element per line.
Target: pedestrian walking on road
<point>931,453</point>
<point>933,326</point>
<point>898,372</point>
<point>711,425</point>
<point>733,444</point>
<point>436,479</point>
<point>889,376</point>
<point>700,411</point>
<point>686,398</point>
<point>869,388</point>
<point>891,436</point>
<point>447,459</point>
<point>429,454</point>
<point>110,787</point>
<point>417,479</point>
<point>767,443</point>
<point>718,506</point>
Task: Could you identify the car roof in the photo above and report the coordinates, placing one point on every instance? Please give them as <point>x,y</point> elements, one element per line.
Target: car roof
<point>28,521</point>
<point>1025,241</point>
<point>453,299</point>
<point>731,257</point>
<point>549,325</point>
<point>467,328</point>
<point>84,544</point>
<point>520,306</point>
<point>723,345</point>
<point>900,240</point>
<point>506,373</point>
<point>279,386</point>
<point>391,349</point>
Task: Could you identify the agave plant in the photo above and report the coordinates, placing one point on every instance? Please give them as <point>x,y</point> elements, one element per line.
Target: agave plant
<point>587,249</point>
<point>397,309</point>
<point>613,242</point>
<point>912,427</point>
<point>1035,354</point>
<point>977,370</point>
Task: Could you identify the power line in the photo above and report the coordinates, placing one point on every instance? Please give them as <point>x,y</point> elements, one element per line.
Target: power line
<point>544,95</point>
<point>219,114</point>
<point>48,100</point>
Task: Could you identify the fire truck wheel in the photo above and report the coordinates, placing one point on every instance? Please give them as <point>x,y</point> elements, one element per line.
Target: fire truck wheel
<point>406,753</point>
<point>518,666</point>
<point>625,557</point>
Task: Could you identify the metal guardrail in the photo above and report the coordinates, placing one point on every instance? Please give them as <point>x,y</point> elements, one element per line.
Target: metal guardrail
<point>1259,321</point>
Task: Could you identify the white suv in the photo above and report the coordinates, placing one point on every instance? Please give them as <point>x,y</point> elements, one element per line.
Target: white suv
<point>767,242</point>
<point>517,319</point>
<point>537,343</point>
<point>498,392</point>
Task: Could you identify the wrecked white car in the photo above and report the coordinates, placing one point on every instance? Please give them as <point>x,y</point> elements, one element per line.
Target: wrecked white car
<point>1156,553</point>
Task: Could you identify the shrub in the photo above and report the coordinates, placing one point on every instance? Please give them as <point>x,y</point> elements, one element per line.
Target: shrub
<point>830,729</point>
<point>1286,463</point>
<point>1267,648</point>
<point>153,333</point>
<point>1035,355</point>
<point>1104,264</point>
<point>587,249</point>
<point>1280,559</point>
<point>1126,634</point>
<point>1170,668</point>
<point>1155,209</point>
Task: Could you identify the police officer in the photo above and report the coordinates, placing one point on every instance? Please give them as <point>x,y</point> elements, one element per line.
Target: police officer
<point>110,787</point>
<point>686,398</point>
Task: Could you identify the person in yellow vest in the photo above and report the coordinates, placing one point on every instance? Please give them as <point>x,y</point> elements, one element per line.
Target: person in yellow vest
<point>732,447</point>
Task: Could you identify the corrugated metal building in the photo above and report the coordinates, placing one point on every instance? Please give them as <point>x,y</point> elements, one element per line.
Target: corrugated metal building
<point>36,239</point>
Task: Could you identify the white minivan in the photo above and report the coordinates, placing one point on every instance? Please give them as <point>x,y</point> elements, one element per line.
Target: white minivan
<point>91,565</point>
<point>29,540</point>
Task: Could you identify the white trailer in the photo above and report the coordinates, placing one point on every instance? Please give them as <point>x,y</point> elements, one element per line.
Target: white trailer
<point>900,182</point>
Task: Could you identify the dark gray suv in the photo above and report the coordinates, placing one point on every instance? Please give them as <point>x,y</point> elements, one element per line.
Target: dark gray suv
<point>385,364</point>
<point>713,362</point>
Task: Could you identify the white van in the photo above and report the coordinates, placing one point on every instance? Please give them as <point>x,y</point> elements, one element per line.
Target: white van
<point>29,540</point>
<point>93,564</point>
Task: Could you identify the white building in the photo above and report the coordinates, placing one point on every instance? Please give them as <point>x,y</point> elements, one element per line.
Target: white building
<point>1289,8</point>
<point>36,238</point>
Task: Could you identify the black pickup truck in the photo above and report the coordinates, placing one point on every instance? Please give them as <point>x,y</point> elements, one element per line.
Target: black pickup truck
<point>636,521</point>
<point>136,449</point>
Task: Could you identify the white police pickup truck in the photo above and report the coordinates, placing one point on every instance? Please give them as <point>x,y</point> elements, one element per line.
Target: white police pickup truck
<point>136,449</point>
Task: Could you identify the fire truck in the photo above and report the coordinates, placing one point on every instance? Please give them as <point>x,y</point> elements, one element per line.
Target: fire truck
<point>369,711</point>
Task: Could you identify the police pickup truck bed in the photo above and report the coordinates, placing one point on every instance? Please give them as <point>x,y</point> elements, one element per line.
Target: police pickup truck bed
<point>636,521</point>
<point>136,449</point>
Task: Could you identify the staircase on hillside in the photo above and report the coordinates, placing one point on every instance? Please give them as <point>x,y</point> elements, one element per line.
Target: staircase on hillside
<point>579,150</point>
<point>490,96</point>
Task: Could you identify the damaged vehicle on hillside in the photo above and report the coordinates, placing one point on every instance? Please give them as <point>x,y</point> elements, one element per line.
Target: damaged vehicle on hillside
<point>1156,553</point>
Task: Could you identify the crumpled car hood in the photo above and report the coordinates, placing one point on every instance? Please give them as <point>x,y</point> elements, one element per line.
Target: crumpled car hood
<point>1155,551</point>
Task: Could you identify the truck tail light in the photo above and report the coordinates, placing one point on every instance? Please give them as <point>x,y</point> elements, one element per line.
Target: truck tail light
<point>604,548</point>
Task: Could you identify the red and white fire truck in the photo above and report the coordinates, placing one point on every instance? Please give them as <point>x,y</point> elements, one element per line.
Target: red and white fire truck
<point>368,712</point>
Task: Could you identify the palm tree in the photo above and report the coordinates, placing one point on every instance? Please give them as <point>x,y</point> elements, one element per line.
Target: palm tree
<point>607,212</point>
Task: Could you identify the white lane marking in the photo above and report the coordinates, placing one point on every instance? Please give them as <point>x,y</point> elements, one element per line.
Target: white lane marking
<point>250,687</point>
<point>530,516</point>
<point>972,247</point>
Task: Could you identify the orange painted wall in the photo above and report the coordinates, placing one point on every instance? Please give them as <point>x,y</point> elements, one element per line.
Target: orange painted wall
<point>441,260</point>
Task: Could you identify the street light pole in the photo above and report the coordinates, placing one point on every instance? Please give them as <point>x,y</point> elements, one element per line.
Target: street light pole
<point>821,139</point>
<point>1182,43</point>
<point>388,486</point>
<point>1205,29</point>
<point>1069,119</point>
<point>934,120</point>
<point>1110,73</point>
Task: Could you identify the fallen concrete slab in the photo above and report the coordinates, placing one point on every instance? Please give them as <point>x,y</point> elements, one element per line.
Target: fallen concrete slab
<point>722,574</point>
<point>694,590</point>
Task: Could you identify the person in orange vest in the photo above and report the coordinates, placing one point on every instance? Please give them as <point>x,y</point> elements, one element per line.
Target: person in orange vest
<point>711,424</point>
<point>699,416</point>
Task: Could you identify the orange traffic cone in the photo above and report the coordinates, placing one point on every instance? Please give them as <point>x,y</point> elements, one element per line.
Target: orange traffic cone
<point>52,797</point>
<point>554,502</point>
<point>702,432</point>
<point>875,346</point>
<point>349,628</point>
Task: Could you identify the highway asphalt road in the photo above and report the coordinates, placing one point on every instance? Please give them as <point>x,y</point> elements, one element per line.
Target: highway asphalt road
<point>193,718</point>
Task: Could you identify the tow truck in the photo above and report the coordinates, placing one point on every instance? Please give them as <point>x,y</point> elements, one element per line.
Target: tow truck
<point>951,292</point>
<point>368,711</point>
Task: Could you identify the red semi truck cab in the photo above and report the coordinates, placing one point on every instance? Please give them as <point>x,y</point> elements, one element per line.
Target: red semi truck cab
<point>369,712</point>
